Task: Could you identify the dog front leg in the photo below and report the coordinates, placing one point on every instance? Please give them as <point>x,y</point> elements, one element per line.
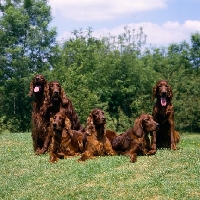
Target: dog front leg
<point>86,155</point>
<point>153,144</point>
<point>171,122</point>
<point>133,152</point>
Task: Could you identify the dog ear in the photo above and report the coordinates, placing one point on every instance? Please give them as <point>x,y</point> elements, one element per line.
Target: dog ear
<point>154,91</point>
<point>169,92</point>
<point>138,129</point>
<point>46,93</point>
<point>104,129</point>
<point>90,125</point>
<point>64,99</point>
<point>31,89</point>
<point>67,125</point>
<point>51,120</point>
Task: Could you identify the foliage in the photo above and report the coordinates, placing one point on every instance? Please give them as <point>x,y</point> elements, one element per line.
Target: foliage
<point>114,73</point>
<point>107,72</point>
<point>195,51</point>
<point>167,175</point>
<point>27,46</point>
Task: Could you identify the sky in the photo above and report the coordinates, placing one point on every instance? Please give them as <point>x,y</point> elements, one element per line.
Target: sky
<point>163,21</point>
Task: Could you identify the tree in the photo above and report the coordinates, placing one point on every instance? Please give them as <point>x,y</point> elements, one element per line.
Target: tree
<point>195,50</point>
<point>27,46</point>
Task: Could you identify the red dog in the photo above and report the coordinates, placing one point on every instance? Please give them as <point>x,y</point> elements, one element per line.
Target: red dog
<point>135,141</point>
<point>65,142</point>
<point>95,141</point>
<point>40,122</point>
<point>163,113</point>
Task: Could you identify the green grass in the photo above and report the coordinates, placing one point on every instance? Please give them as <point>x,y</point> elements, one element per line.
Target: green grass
<point>167,175</point>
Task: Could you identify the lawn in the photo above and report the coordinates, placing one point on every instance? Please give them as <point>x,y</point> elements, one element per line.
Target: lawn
<point>167,175</point>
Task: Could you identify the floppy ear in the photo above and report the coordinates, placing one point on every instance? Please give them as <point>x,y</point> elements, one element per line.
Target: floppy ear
<point>64,99</point>
<point>154,92</point>
<point>138,128</point>
<point>90,125</point>
<point>169,92</point>
<point>104,126</point>
<point>67,125</point>
<point>31,89</point>
<point>51,120</point>
<point>46,92</point>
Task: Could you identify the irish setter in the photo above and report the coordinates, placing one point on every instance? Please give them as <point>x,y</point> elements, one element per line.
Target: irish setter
<point>135,141</point>
<point>58,101</point>
<point>96,143</point>
<point>65,142</point>
<point>40,123</point>
<point>163,113</point>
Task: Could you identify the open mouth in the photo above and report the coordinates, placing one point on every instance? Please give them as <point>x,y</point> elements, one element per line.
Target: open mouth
<point>103,121</point>
<point>163,101</point>
<point>55,98</point>
<point>57,129</point>
<point>37,89</point>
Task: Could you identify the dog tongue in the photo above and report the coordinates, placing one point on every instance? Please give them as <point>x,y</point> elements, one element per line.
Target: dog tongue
<point>36,89</point>
<point>163,101</point>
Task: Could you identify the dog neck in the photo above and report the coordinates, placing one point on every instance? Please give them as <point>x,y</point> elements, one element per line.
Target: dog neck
<point>100,129</point>
<point>39,99</point>
<point>57,134</point>
<point>55,107</point>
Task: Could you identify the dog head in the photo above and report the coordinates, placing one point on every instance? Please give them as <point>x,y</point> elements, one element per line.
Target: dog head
<point>38,85</point>
<point>60,122</point>
<point>56,93</point>
<point>96,120</point>
<point>144,124</point>
<point>98,117</point>
<point>163,92</point>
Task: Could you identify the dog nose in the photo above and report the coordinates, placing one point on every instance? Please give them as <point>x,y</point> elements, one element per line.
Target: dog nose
<point>56,92</point>
<point>54,125</point>
<point>104,119</point>
<point>37,78</point>
<point>164,94</point>
<point>157,126</point>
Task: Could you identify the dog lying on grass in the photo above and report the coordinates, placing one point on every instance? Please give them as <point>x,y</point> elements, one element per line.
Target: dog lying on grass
<point>135,141</point>
<point>95,141</point>
<point>65,142</point>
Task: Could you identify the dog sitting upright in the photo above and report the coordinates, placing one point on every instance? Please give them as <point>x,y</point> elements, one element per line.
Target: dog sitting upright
<point>40,123</point>
<point>163,113</point>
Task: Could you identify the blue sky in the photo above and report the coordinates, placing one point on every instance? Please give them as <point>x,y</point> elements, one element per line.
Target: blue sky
<point>163,21</point>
